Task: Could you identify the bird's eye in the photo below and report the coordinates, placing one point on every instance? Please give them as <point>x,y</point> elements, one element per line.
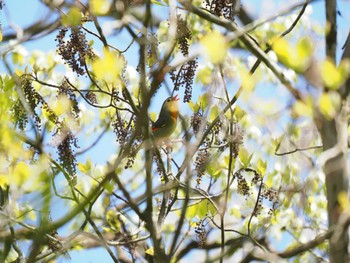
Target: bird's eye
<point>168,100</point>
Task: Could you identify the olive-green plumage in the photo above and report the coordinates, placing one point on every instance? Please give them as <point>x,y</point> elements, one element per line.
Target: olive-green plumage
<point>167,119</point>
<point>165,124</point>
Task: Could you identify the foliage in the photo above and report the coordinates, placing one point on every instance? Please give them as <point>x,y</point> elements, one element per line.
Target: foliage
<point>248,174</point>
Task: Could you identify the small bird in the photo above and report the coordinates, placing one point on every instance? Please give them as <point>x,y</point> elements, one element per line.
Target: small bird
<point>164,126</point>
<point>167,119</point>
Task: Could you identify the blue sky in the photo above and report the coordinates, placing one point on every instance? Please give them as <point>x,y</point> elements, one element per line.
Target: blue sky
<point>23,13</point>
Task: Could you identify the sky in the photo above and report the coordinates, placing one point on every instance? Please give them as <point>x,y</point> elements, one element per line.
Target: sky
<point>23,13</point>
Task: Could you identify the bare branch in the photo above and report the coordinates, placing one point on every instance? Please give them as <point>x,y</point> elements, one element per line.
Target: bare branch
<point>298,150</point>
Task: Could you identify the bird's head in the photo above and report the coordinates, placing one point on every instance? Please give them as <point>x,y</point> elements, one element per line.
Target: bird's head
<point>171,105</point>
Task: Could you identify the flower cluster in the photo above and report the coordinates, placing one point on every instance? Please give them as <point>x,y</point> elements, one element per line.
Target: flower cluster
<point>184,78</point>
<point>20,115</point>
<point>124,130</point>
<point>185,75</point>
<point>184,35</point>
<point>65,150</point>
<point>201,233</point>
<point>121,129</point>
<point>75,50</point>
<point>152,51</point>
<point>243,187</point>
<point>236,140</point>
<point>158,162</point>
<point>32,100</point>
<point>67,140</point>
<point>196,121</point>
<point>265,192</point>
<point>66,90</point>
<point>91,97</point>
<point>272,196</point>
<point>216,139</point>
<point>52,242</point>
<point>21,110</point>
<point>221,8</point>
<point>202,160</point>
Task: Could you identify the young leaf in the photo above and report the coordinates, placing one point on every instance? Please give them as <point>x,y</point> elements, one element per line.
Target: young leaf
<point>216,46</point>
<point>73,18</point>
<point>99,7</point>
<point>334,77</point>
<point>261,167</point>
<point>329,103</point>
<point>245,157</point>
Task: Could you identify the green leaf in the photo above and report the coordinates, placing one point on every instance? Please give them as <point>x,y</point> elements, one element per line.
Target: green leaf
<point>303,108</point>
<point>239,113</point>
<point>153,116</point>
<point>4,180</point>
<point>17,58</point>
<point>261,167</point>
<point>191,212</point>
<point>206,208</point>
<point>235,212</point>
<point>200,210</point>
<point>248,80</point>
<point>227,162</point>
<point>276,142</point>
<point>334,77</point>
<point>85,168</point>
<point>304,50</point>
<point>36,68</point>
<point>216,46</point>
<point>112,218</point>
<point>73,18</point>
<point>21,173</point>
<point>296,57</point>
<point>214,112</point>
<point>150,251</point>
<point>109,187</point>
<point>193,106</point>
<point>214,170</point>
<point>109,67</point>
<point>344,68</point>
<point>203,101</point>
<point>245,157</point>
<point>9,83</point>
<point>204,76</point>
<point>211,208</point>
<point>99,7</point>
<point>329,104</point>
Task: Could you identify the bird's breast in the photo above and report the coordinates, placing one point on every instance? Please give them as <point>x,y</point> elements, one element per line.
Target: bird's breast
<point>174,114</point>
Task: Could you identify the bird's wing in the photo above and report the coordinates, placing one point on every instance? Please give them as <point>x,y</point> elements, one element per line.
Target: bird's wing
<point>160,123</point>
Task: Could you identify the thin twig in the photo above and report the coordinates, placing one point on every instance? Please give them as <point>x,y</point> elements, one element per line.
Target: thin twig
<point>299,150</point>
<point>15,246</point>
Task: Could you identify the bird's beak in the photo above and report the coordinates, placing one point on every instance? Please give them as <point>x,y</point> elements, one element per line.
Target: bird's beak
<point>176,98</point>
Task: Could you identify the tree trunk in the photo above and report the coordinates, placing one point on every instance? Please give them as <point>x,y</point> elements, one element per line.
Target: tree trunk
<point>334,139</point>
<point>335,145</point>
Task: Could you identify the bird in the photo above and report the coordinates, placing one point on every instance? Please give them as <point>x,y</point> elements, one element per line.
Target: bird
<point>166,123</point>
<point>164,126</point>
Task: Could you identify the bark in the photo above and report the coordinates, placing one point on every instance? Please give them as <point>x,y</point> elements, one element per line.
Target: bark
<point>334,139</point>
<point>335,143</point>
